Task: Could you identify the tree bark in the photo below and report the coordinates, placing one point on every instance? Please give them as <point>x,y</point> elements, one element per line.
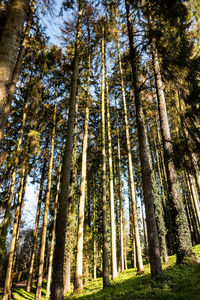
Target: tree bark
<point>130,169</point>
<point>182,237</point>
<point>78,281</point>
<point>35,234</point>
<point>154,253</point>
<point>195,197</point>
<point>3,229</point>
<point>7,285</point>
<point>46,209</point>
<point>17,69</point>
<point>95,248</point>
<point>53,235</point>
<point>9,45</point>
<point>57,287</point>
<point>120,199</point>
<point>110,164</point>
<point>72,215</point>
<point>106,280</point>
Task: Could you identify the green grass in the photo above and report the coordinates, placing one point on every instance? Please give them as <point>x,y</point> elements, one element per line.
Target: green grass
<point>176,282</point>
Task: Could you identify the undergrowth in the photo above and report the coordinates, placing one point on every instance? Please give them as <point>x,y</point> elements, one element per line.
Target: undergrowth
<point>176,282</point>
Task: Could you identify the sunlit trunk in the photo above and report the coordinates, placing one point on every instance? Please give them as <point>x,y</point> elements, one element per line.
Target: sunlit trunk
<point>154,252</point>
<point>14,236</point>
<point>111,183</point>
<point>46,209</point>
<point>130,169</point>
<point>35,234</point>
<point>53,235</point>
<point>57,287</point>
<point>10,39</point>
<point>106,280</point>
<point>78,280</point>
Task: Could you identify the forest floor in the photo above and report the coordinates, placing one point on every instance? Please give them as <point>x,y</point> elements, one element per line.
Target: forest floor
<point>176,282</point>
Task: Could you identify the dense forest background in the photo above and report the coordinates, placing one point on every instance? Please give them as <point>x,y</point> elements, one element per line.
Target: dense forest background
<point>104,125</point>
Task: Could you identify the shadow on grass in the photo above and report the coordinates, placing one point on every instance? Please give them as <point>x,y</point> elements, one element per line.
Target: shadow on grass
<point>177,282</point>
<point>21,293</point>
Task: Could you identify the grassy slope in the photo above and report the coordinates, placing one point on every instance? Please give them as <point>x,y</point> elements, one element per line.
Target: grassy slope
<point>176,282</point>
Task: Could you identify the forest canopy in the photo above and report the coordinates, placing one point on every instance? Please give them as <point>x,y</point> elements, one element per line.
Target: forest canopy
<point>100,139</point>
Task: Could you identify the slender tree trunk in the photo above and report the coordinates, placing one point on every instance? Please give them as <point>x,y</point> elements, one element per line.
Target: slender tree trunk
<point>186,200</point>
<point>193,158</point>
<point>72,216</point>
<point>4,227</point>
<point>120,199</point>
<point>134,254</point>
<point>130,168</point>
<point>19,221</point>
<point>154,253</point>
<point>78,281</point>
<point>161,179</point>
<point>94,232</point>
<point>144,232</point>
<point>191,208</point>
<point>189,143</point>
<point>195,197</point>
<point>53,235</point>
<point>110,163</point>
<point>57,287</point>
<point>117,214</point>
<point>9,44</point>
<point>7,285</point>
<point>35,234</point>
<point>17,69</point>
<point>106,280</point>
<point>46,209</point>
<point>159,212</point>
<point>182,237</point>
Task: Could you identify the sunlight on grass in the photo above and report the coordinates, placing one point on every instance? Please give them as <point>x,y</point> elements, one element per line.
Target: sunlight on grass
<point>176,282</point>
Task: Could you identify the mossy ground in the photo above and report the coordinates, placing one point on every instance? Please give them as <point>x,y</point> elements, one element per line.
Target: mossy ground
<point>176,282</point>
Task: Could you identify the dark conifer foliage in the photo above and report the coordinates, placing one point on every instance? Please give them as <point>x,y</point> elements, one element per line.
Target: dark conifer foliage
<point>99,132</point>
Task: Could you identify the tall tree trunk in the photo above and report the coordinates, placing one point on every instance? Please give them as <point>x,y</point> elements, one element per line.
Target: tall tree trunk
<point>94,232</point>
<point>161,179</point>
<point>106,280</point>
<point>17,69</point>
<point>182,237</point>
<point>191,208</point>
<point>4,227</point>
<point>159,210</point>
<point>57,287</point>
<point>195,197</point>
<point>53,235</point>
<point>117,214</point>
<point>72,215</point>
<point>35,234</point>
<point>144,232</point>
<point>195,233</point>
<point>19,220</point>
<point>7,285</point>
<point>78,280</point>
<point>193,157</point>
<point>110,163</point>
<point>130,169</point>
<point>154,253</point>
<point>46,209</point>
<point>9,44</point>
<point>189,143</point>
<point>120,199</point>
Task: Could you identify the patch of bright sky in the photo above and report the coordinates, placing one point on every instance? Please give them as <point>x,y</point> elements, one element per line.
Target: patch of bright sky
<point>30,204</point>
